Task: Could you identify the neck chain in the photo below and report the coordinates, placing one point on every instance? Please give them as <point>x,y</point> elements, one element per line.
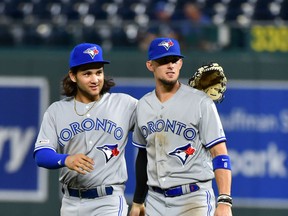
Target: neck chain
<point>75,109</point>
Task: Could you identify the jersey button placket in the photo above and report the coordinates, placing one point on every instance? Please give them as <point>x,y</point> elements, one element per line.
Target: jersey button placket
<point>160,152</point>
<point>160,142</point>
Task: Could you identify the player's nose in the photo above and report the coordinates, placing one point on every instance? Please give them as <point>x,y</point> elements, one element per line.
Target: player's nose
<point>94,78</point>
<point>170,65</point>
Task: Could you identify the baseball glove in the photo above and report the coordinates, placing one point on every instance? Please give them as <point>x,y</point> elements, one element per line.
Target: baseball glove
<point>210,79</point>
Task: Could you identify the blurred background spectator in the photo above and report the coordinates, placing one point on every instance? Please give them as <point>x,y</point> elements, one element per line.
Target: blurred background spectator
<point>161,24</point>
<point>195,28</point>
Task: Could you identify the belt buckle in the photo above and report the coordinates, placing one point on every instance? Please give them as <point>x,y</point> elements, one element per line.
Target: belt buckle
<point>80,191</point>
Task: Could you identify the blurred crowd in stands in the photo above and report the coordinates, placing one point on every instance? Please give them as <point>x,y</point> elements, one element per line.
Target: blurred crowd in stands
<point>197,24</point>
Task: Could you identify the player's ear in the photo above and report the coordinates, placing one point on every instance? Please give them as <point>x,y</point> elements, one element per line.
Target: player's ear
<point>181,63</point>
<point>149,65</point>
<point>72,76</point>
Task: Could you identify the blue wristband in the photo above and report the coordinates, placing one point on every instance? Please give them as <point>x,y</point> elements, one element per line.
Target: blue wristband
<point>50,159</point>
<point>221,162</point>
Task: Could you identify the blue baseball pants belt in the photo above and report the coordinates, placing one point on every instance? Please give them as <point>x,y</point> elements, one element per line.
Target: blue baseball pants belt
<point>90,193</point>
<point>176,191</point>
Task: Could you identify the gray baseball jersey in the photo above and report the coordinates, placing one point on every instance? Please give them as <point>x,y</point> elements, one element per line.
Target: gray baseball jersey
<point>177,135</point>
<point>101,134</point>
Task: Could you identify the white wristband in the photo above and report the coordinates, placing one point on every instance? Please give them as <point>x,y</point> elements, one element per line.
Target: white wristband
<point>225,203</point>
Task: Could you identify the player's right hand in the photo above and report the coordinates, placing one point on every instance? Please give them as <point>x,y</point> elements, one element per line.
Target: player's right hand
<point>137,210</point>
<point>80,163</point>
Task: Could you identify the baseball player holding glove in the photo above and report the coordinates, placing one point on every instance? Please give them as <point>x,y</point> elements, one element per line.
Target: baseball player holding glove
<point>182,145</point>
<point>85,134</point>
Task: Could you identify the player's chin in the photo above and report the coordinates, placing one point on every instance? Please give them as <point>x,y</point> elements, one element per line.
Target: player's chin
<point>170,81</point>
<point>94,92</point>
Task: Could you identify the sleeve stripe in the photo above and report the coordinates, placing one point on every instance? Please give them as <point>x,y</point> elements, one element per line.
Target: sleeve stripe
<point>138,145</point>
<point>43,147</point>
<point>214,142</point>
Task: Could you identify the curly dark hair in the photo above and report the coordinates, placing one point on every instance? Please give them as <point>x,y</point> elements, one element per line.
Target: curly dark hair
<point>69,88</point>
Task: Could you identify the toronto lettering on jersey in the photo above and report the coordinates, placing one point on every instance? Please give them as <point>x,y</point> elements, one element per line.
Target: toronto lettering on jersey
<point>89,124</point>
<point>173,126</point>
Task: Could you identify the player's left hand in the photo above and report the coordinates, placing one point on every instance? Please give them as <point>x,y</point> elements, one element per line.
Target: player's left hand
<point>137,209</point>
<point>223,210</point>
<point>80,163</point>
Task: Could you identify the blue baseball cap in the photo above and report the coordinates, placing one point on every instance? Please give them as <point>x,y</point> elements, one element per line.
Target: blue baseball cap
<point>86,53</point>
<point>161,47</point>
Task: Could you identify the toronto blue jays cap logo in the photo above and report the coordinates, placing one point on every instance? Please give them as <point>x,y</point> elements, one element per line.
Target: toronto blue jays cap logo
<point>109,151</point>
<point>183,152</point>
<point>86,53</point>
<point>92,51</point>
<point>166,44</point>
<point>162,47</point>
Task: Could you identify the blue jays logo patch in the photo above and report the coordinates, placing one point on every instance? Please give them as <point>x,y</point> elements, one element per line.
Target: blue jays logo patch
<point>109,151</point>
<point>182,153</point>
<point>166,44</point>
<point>92,52</point>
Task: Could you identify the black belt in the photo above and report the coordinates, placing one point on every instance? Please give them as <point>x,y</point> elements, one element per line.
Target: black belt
<point>90,193</point>
<point>176,191</point>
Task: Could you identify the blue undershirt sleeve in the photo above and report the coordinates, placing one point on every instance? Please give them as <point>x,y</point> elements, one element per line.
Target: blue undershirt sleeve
<point>49,159</point>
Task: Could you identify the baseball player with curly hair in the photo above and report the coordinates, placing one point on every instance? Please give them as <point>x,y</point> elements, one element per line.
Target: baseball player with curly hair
<point>85,134</point>
<point>182,145</point>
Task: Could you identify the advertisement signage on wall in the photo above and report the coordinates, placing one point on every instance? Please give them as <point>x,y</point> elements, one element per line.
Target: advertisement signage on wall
<point>24,99</point>
<point>269,38</point>
<point>255,120</point>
